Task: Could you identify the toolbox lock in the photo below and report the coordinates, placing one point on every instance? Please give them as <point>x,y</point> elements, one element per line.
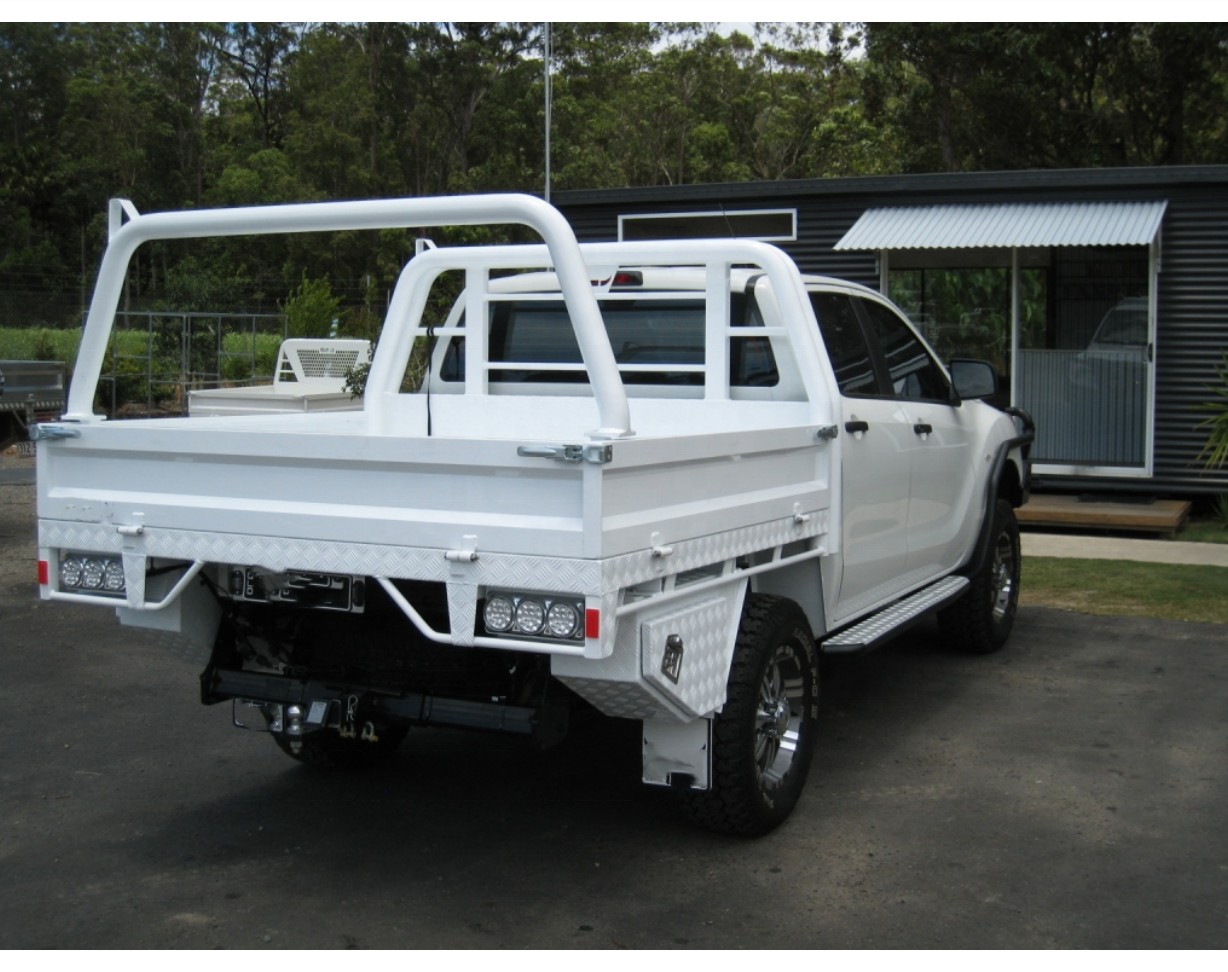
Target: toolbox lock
<point>671,660</point>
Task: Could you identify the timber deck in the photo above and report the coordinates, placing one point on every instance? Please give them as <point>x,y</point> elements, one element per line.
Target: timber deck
<point>1159,516</point>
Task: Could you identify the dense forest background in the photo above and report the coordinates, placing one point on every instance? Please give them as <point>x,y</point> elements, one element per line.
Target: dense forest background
<point>196,115</point>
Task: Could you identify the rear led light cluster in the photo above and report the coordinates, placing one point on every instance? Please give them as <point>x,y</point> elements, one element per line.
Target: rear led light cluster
<point>557,617</point>
<point>92,573</point>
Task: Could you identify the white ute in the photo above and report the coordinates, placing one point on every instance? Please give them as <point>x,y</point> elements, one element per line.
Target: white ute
<point>655,479</point>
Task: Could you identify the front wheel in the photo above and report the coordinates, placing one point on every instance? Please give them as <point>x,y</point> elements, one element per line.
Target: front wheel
<point>763,738</point>
<point>980,621</point>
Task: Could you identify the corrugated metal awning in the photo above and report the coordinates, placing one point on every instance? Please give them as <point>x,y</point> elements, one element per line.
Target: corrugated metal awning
<point>1006,225</point>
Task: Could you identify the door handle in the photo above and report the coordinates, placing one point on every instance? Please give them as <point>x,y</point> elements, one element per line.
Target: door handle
<point>923,428</point>
<point>853,427</point>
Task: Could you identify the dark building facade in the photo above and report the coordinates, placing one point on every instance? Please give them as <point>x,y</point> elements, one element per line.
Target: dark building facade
<point>1100,295</point>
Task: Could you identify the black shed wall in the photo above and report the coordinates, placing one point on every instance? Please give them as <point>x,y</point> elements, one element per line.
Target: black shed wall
<point>1191,334</point>
<point>1192,326</point>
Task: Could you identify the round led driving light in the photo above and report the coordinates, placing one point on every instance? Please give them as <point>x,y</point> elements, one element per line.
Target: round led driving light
<point>91,574</point>
<point>498,614</point>
<point>530,616</point>
<point>561,620</point>
<point>70,571</point>
<point>113,576</point>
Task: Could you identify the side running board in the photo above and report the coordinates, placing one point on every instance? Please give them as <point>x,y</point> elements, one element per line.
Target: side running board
<point>892,620</point>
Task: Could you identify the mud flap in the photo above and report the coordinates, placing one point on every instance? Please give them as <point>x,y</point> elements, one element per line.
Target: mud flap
<point>678,754</point>
<point>187,626</point>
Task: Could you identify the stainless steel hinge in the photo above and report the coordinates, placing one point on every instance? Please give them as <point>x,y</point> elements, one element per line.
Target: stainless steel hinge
<point>598,454</point>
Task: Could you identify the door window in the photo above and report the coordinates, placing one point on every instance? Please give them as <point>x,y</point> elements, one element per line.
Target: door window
<point>912,372</point>
<point>846,344</point>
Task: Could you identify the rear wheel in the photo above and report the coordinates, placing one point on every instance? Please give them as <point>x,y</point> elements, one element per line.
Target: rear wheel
<point>328,749</point>
<point>763,738</point>
<point>981,620</point>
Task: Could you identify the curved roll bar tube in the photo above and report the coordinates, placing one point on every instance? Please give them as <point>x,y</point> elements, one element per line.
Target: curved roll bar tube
<point>548,222</point>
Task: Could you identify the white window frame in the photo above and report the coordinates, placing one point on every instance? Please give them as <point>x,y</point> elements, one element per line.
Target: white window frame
<point>719,214</point>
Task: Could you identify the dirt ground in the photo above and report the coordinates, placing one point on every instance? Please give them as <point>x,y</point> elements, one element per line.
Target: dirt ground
<point>1068,791</point>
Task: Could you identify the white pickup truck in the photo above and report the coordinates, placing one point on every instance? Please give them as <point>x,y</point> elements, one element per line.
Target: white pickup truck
<point>654,479</point>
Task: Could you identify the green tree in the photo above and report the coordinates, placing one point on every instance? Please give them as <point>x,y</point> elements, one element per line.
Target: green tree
<point>312,310</point>
<point>36,66</point>
<point>257,57</point>
<point>965,97</point>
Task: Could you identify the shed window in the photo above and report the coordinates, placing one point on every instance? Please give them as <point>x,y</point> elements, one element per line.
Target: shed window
<point>757,224</point>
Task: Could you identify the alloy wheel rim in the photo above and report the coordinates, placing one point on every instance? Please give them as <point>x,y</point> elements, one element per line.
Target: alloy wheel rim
<point>1003,576</point>
<point>778,716</point>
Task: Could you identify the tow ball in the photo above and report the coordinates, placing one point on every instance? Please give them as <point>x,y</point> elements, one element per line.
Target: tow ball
<point>295,721</point>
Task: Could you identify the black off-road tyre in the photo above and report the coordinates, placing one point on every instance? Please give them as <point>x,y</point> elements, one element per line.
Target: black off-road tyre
<point>764,737</point>
<point>981,620</point>
<point>326,749</point>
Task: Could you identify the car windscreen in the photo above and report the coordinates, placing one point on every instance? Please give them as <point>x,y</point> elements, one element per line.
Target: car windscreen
<point>1123,326</point>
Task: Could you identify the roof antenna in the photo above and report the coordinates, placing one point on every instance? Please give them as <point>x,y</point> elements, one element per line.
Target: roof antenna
<point>728,225</point>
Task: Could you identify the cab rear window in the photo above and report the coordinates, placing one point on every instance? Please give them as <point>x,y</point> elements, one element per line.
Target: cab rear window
<point>648,335</point>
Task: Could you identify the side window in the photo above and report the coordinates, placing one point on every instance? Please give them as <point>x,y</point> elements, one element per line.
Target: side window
<point>913,373</point>
<point>846,344</point>
<point>751,361</point>
<point>452,368</point>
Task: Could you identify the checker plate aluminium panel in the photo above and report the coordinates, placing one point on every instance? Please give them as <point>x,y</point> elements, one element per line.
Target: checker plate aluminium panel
<point>701,662</point>
<point>618,685</point>
<point>884,622</point>
<point>595,578</point>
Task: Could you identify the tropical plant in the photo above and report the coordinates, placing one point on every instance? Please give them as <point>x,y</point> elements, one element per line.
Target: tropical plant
<point>1220,507</point>
<point>1215,452</point>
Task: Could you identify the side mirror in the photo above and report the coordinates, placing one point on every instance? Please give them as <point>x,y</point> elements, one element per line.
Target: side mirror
<point>973,378</point>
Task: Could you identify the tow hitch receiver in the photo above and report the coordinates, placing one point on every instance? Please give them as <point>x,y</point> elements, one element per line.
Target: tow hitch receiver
<point>292,720</point>
<point>294,707</point>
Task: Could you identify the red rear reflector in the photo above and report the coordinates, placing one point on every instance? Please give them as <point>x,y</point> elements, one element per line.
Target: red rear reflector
<point>44,573</point>
<point>628,278</point>
<point>592,623</point>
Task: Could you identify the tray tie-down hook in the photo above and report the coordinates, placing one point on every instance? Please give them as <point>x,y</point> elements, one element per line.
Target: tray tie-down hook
<point>598,454</point>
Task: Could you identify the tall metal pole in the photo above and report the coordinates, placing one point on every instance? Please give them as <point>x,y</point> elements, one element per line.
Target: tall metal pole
<point>548,99</point>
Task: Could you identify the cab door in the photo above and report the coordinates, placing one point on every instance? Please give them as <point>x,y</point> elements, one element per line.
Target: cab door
<point>877,440</point>
<point>942,510</point>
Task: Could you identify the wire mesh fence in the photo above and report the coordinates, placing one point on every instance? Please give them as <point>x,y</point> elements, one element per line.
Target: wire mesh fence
<point>156,357</point>
<point>40,309</point>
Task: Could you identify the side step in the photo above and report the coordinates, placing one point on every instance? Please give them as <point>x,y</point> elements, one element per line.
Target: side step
<point>895,618</point>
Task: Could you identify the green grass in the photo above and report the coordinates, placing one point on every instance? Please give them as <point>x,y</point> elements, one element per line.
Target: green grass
<point>50,344</point>
<point>1204,531</point>
<point>1173,592</point>
<point>131,386</point>
<point>39,343</point>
